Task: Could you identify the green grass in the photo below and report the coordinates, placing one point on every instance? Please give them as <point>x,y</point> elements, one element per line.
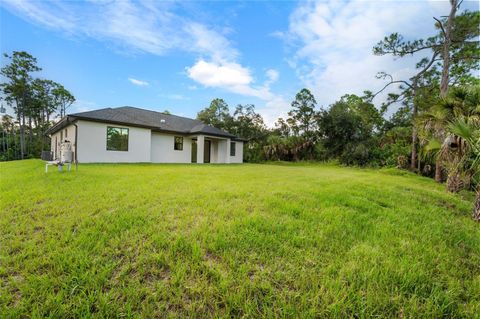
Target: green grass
<point>290,240</point>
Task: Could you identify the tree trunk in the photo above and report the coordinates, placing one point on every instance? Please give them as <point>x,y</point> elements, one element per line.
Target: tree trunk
<point>438,171</point>
<point>446,48</point>
<point>455,182</point>
<point>413,163</point>
<point>30,132</point>
<point>21,121</point>
<point>419,164</point>
<point>476,206</point>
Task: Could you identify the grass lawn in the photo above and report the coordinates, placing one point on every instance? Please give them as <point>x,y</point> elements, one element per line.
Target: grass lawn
<point>284,240</point>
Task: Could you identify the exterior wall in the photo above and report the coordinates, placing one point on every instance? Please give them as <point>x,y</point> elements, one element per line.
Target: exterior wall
<point>162,150</point>
<point>222,151</point>
<point>238,158</point>
<point>214,151</point>
<point>92,146</point>
<point>67,133</point>
<point>143,146</point>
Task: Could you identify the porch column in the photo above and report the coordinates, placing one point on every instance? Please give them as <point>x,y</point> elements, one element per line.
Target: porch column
<point>200,148</point>
<point>227,156</point>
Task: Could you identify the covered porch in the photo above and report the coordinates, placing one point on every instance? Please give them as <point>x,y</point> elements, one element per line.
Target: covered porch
<point>210,149</point>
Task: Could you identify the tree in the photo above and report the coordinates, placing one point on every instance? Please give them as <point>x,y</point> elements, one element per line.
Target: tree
<point>282,128</point>
<point>466,133</point>
<point>17,89</point>
<point>34,102</point>
<point>301,125</point>
<point>43,105</point>
<point>8,127</point>
<point>447,40</point>
<point>217,114</point>
<point>456,41</point>
<point>462,105</point>
<point>63,98</point>
<point>349,122</point>
<point>409,88</point>
<point>302,117</point>
<point>459,38</point>
<point>248,124</point>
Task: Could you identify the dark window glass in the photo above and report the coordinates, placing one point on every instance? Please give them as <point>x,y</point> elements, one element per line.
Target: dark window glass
<point>232,148</point>
<point>66,132</point>
<point>178,146</point>
<point>117,139</point>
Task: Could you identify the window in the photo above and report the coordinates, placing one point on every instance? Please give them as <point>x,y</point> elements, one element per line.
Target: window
<point>66,133</point>
<point>232,148</point>
<point>117,139</point>
<point>178,145</point>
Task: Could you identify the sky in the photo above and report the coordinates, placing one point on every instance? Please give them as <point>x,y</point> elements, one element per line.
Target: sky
<point>178,56</point>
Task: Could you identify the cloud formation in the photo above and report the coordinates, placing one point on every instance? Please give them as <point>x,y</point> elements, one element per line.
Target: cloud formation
<point>145,26</point>
<point>138,82</point>
<point>153,27</point>
<point>229,76</point>
<point>332,42</point>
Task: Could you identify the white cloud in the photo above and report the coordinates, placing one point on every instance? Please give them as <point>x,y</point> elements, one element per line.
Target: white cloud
<point>177,97</point>
<point>333,42</point>
<point>272,76</point>
<point>145,26</point>
<point>276,107</point>
<point>57,18</point>
<point>219,74</point>
<point>152,27</point>
<point>138,82</point>
<point>230,76</point>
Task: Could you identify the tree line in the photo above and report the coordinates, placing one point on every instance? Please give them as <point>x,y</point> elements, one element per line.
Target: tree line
<point>435,130</point>
<point>35,102</point>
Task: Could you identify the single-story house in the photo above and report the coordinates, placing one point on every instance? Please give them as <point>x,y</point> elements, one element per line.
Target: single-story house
<point>131,135</point>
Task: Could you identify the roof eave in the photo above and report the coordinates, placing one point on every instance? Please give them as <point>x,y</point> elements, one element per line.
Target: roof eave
<point>65,121</point>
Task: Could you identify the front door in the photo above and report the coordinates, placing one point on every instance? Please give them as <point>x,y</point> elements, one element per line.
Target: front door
<point>206,152</point>
<point>194,151</point>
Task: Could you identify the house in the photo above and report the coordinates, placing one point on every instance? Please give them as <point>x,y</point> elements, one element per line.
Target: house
<point>131,135</point>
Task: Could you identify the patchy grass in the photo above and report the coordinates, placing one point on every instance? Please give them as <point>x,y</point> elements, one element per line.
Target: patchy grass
<point>233,240</point>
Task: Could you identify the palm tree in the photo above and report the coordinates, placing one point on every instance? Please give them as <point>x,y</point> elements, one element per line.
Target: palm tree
<point>466,134</point>
<point>431,132</point>
<point>448,149</point>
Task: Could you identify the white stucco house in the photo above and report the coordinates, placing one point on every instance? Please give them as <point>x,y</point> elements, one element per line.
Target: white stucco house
<point>134,135</point>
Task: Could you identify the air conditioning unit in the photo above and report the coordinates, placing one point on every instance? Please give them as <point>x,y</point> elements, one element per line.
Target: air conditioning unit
<point>66,153</point>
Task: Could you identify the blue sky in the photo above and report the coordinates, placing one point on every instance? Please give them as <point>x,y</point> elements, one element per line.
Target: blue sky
<point>178,56</point>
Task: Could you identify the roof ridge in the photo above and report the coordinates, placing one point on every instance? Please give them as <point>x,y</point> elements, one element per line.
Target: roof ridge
<point>174,115</point>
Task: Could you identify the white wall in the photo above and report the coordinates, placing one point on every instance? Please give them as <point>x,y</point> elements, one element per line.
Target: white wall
<point>67,133</point>
<point>163,151</point>
<point>238,158</point>
<point>92,144</point>
<point>214,151</point>
<point>222,151</point>
<point>143,146</point>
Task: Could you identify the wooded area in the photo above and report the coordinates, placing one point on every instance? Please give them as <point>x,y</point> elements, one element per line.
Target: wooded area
<point>434,129</point>
<point>35,102</point>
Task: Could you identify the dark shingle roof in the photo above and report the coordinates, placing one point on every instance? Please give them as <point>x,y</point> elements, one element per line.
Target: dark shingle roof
<point>156,121</point>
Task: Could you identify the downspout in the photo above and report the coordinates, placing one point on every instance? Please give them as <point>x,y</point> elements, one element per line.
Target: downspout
<point>76,142</point>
